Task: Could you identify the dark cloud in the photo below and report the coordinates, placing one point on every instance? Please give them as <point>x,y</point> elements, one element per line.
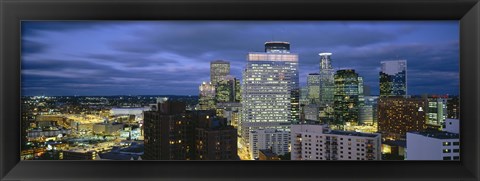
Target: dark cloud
<point>104,57</point>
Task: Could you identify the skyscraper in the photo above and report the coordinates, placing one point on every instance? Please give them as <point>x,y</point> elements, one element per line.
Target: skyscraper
<point>227,90</point>
<point>327,87</point>
<point>270,91</point>
<point>393,78</point>
<point>219,69</point>
<point>313,84</point>
<point>206,98</point>
<point>348,88</point>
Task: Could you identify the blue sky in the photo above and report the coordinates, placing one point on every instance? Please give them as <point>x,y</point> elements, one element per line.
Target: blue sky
<point>172,57</point>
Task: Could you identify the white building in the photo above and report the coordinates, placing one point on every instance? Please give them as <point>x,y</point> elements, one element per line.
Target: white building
<point>452,126</point>
<point>270,91</point>
<point>437,145</point>
<point>318,142</point>
<point>268,139</point>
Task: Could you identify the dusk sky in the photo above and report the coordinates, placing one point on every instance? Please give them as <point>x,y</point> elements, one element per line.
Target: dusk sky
<point>173,57</point>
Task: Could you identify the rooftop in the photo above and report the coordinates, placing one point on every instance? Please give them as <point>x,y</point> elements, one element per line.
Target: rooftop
<point>438,134</point>
<point>352,133</point>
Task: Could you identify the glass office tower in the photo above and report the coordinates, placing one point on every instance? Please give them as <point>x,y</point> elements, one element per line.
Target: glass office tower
<point>313,84</point>
<point>393,78</point>
<point>219,69</point>
<point>327,87</point>
<point>270,95</point>
<point>347,98</point>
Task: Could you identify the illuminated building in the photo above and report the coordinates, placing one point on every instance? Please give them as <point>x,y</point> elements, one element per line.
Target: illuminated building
<point>327,87</point>
<point>214,139</point>
<point>271,139</point>
<point>311,112</point>
<point>394,149</point>
<point>437,111</point>
<point>270,91</point>
<point>168,132</point>
<point>399,115</point>
<point>313,84</point>
<point>393,78</point>
<point>319,142</point>
<point>232,112</point>
<point>453,107</point>
<point>368,112</point>
<point>227,90</point>
<point>206,99</point>
<point>304,96</point>
<point>433,145</point>
<point>219,70</point>
<point>348,98</point>
<point>107,128</point>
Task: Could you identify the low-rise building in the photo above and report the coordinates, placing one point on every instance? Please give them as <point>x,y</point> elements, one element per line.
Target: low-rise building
<point>433,145</point>
<point>319,142</point>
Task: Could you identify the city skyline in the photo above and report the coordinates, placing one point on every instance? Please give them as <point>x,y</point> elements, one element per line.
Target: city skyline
<point>173,57</point>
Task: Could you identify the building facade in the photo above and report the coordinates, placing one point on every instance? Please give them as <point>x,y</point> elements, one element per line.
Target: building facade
<point>270,91</point>
<point>313,84</point>
<point>219,69</point>
<point>348,98</point>
<point>433,145</point>
<point>318,142</point>
<point>437,111</point>
<point>327,87</point>
<point>393,78</point>
<point>368,112</point>
<point>271,139</point>
<point>227,90</point>
<point>214,139</point>
<point>168,132</point>
<point>399,115</point>
<point>206,98</point>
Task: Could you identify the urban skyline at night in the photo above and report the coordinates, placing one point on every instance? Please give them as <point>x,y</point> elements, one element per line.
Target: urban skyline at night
<point>144,58</point>
<point>222,90</point>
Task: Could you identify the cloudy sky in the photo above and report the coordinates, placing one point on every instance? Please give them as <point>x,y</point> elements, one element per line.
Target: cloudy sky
<point>172,57</point>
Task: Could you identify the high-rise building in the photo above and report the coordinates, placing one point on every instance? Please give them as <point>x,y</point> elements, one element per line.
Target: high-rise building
<point>313,84</point>
<point>206,98</point>
<point>173,133</point>
<point>433,145</point>
<point>399,115</point>
<point>219,69</point>
<point>437,111</point>
<point>214,139</point>
<point>169,132</point>
<point>368,112</point>
<point>227,90</point>
<point>270,91</point>
<point>348,98</point>
<point>304,95</point>
<point>327,87</point>
<point>393,78</point>
<point>318,142</point>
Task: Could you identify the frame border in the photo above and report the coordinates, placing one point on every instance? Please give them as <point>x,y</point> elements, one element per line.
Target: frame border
<point>14,11</point>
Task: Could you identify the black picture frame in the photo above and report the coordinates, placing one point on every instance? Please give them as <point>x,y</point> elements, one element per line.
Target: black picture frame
<point>14,11</point>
